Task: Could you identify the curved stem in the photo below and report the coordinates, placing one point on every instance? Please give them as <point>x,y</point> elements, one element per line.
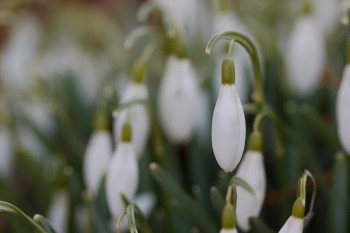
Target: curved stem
<point>253,53</point>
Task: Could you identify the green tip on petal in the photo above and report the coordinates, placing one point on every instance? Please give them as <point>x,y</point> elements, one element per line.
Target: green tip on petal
<point>126,132</point>
<point>229,217</point>
<point>139,72</point>
<point>228,71</point>
<point>101,122</point>
<point>255,141</point>
<point>298,209</point>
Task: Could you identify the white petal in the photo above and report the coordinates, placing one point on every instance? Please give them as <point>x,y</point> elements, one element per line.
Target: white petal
<point>58,212</point>
<point>138,116</point>
<point>122,177</point>
<point>305,56</point>
<point>293,225</point>
<point>178,99</point>
<point>252,171</point>
<point>228,230</point>
<point>228,128</point>
<point>96,159</point>
<point>343,110</point>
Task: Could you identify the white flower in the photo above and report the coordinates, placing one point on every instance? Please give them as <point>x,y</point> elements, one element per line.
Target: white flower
<point>96,159</point>
<point>293,225</point>
<point>58,211</point>
<point>137,115</point>
<point>122,177</point>
<point>343,110</point>
<point>305,56</point>
<point>228,128</point>
<point>252,171</point>
<point>178,99</point>
<point>228,230</point>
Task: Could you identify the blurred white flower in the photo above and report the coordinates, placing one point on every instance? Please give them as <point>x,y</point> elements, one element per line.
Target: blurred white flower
<point>228,230</point>
<point>178,99</point>
<point>146,202</point>
<point>19,51</point>
<point>252,171</point>
<point>96,159</point>
<point>293,225</point>
<point>6,155</point>
<point>122,177</point>
<point>343,110</point>
<point>228,128</point>
<point>305,55</point>
<point>137,115</point>
<point>326,14</point>
<point>58,211</point>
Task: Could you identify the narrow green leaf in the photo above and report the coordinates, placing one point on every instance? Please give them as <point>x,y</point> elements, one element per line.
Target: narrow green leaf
<point>339,215</point>
<point>258,226</point>
<point>8,208</point>
<point>185,203</point>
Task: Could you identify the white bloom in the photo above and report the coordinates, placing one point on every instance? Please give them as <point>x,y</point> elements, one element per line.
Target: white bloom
<point>228,128</point>
<point>293,225</point>
<point>343,110</point>
<point>178,99</point>
<point>6,156</point>
<point>96,159</point>
<point>122,177</point>
<point>326,14</point>
<point>58,212</point>
<point>305,56</point>
<point>252,171</point>
<point>137,115</point>
<point>228,230</point>
<point>16,61</point>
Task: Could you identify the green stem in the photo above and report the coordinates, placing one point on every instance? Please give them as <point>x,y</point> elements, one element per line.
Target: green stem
<point>253,53</point>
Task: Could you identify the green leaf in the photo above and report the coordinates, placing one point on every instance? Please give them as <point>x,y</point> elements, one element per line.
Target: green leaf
<point>8,208</point>
<point>339,215</point>
<point>130,213</point>
<point>258,226</point>
<point>185,203</point>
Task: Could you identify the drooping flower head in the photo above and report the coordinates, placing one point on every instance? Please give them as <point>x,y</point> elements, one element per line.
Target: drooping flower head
<point>228,125</point>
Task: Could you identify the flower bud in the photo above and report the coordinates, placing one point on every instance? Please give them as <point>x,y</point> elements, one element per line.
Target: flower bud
<point>252,171</point>
<point>137,115</point>
<point>122,177</point>
<point>96,159</point>
<point>343,110</point>
<point>305,56</point>
<point>178,100</point>
<point>228,128</point>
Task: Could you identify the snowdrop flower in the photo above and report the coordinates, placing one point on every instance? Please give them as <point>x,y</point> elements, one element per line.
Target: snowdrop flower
<point>178,99</point>
<point>343,110</point>
<point>305,55</point>
<point>123,173</point>
<point>228,125</point>
<point>17,58</point>
<point>96,159</point>
<point>224,21</point>
<point>137,115</point>
<point>252,171</point>
<point>58,211</point>
<point>295,223</point>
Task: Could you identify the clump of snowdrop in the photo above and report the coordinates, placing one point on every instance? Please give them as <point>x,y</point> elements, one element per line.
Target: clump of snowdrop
<point>305,54</point>
<point>97,156</point>
<point>137,114</point>
<point>252,171</point>
<point>343,109</point>
<point>228,125</point>
<point>178,98</point>
<point>123,174</point>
